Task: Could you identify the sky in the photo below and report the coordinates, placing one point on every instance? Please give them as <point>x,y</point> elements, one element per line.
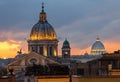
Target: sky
<point>80,21</point>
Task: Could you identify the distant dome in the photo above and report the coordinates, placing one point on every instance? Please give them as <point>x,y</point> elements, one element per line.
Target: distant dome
<point>42,30</point>
<point>97,48</point>
<point>98,45</point>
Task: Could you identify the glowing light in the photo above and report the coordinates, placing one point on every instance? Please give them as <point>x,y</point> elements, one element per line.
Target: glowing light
<point>45,51</point>
<point>41,37</point>
<point>55,52</point>
<point>4,57</point>
<point>6,45</point>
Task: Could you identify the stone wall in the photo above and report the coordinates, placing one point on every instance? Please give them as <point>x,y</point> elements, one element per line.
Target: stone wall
<point>96,79</point>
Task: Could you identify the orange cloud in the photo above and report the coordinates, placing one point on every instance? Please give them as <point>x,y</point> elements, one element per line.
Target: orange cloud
<point>111,46</point>
<point>8,49</point>
<point>78,51</point>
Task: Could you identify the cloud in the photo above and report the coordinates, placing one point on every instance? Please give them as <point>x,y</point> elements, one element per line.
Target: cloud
<point>7,35</point>
<point>8,49</point>
<point>82,32</point>
<point>112,30</point>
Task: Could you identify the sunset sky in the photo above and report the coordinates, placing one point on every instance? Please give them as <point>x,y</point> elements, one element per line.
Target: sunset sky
<point>80,21</point>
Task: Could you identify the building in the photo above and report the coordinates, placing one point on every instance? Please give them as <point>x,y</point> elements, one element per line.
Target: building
<point>66,50</point>
<point>109,64</point>
<point>106,65</point>
<point>42,48</point>
<point>43,38</point>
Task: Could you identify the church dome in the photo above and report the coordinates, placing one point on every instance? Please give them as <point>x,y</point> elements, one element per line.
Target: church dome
<point>97,48</point>
<point>98,45</point>
<point>42,30</point>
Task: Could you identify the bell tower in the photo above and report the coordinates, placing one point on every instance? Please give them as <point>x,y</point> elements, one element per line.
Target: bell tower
<point>66,50</point>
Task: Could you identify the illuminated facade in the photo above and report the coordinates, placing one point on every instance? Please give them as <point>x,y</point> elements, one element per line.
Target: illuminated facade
<point>97,48</point>
<point>43,39</point>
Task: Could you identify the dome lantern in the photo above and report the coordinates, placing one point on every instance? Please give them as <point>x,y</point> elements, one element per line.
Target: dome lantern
<point>42,16</point>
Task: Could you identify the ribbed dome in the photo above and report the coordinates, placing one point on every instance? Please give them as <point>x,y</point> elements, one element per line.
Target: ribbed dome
<point>97,45</point>
<point>42,30</point>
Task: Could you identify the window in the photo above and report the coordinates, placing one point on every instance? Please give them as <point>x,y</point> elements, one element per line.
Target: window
<point>80,71</point>
<point>51,51</point>
<point>41,50</point>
